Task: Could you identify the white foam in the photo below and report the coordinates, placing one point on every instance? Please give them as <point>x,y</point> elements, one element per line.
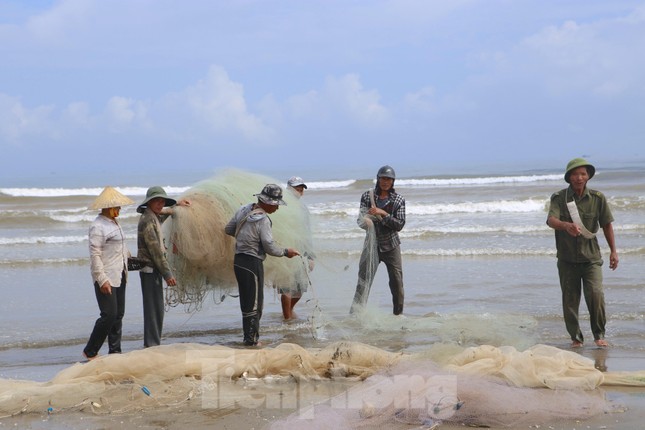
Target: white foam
<point>477,181</point>
<point>322,185</point>
<point>493,206</point>
<point>55,240</point>
<point>66,192</point>
<point>319,185</point>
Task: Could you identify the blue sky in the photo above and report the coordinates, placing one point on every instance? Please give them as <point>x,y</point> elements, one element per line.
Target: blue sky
<point>428,85</point>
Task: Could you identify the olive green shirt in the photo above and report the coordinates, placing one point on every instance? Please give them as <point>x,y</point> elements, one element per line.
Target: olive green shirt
<point>594,212</point>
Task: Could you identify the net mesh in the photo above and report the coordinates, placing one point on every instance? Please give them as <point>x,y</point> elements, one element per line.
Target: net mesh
<point>202,254</point>
<point>482,385</point>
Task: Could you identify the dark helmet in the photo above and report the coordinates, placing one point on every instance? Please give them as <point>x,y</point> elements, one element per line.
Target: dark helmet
<point>386,172</point>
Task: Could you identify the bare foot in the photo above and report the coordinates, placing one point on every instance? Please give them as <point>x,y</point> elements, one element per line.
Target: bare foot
<point>576,344</point>
<point>601,342</point>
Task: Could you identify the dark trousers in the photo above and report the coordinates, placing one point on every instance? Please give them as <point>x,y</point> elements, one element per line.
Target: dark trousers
<point>153,307</point>
<point>586,278</point>
<point>249,272</point>
<point>394,264</point>
<point>109,324</point>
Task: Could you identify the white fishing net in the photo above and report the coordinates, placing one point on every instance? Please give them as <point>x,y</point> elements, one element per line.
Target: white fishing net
<point>202,254</point>
<point>369,255</point>
<point>479,387</point>
<point>482,385</point>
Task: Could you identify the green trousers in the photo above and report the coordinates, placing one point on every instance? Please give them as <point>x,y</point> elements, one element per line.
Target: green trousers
<point>586,278</point>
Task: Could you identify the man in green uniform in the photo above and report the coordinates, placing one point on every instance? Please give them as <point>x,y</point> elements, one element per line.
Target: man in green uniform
<point>576,213</point>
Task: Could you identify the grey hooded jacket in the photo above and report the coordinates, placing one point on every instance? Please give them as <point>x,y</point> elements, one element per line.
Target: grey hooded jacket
<point>252,231</point>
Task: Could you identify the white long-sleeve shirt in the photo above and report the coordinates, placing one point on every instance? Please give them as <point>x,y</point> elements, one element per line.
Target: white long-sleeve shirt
<point>108,251</point>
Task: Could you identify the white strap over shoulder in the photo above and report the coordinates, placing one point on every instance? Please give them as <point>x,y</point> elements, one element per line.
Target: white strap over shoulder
<point>575,216</point>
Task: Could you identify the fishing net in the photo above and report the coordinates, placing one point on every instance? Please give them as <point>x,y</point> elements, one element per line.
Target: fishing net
<point>202,254</point>
<point>373,387</point>
<point>368,264</point>
<point>479,387</point>
<point>170,375</point>
<point>426,397</point>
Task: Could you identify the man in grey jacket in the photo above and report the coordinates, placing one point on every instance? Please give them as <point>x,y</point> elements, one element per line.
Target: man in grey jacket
<point>251,228</point>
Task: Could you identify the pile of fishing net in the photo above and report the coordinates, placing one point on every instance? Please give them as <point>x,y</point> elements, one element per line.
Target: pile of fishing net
<point>201,254</point>
<point>170,375</point>
<point>367,386</point>
<point>481,386</point>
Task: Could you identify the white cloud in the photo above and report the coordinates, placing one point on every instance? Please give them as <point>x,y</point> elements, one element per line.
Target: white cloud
<point>217,103</point>
<point>77,114</point>
<point>597,57</point>
<point>224,74</point>
<point>348,94</point>
<point>17,121</point>
<point>59,25</point>
<point>122,113</point>
<point>343,99</point>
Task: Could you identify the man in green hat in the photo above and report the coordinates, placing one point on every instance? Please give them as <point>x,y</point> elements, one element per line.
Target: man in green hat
<point>576,213</point>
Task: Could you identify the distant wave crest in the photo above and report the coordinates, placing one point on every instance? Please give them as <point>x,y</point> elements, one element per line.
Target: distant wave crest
<point>66,192</point>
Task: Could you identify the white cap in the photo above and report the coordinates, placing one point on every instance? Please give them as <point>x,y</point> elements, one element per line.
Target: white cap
<point>296,181</point>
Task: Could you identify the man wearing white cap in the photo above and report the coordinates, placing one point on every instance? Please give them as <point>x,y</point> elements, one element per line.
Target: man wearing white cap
<point>290,295</point>
<point>108,263</point>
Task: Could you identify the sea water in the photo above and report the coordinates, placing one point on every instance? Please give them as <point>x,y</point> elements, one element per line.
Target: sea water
<point>478,261</point>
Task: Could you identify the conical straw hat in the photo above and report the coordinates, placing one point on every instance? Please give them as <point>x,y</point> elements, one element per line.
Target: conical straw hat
<point>110,198</point>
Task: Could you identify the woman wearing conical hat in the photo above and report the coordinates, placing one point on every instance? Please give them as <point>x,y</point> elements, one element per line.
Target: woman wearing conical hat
<point>108,263</point>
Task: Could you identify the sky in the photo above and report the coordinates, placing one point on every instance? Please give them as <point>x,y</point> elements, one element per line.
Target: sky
<point>323,87</point>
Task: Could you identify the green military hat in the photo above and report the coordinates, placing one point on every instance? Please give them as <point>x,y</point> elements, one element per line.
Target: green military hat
<point>579,162</point>
<point>153,193</point>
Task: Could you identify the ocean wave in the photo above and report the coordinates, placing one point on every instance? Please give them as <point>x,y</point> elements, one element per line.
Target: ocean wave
<point>70,215</point>
<point>429,231</point>
<point>480,252</point>
<point>420,209</point>
<point>473,252</point>
<point>320,185</point>
<point>498,206</point>
<point>49,240</point>
<point>43,262</point>
<point>67,192</point>
<point>328,185</point>
<point>627,203</point>
<point>442,182</point>
<point>88,217</point>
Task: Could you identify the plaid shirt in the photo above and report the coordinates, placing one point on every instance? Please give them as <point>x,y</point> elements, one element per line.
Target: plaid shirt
<point>387,229</point>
